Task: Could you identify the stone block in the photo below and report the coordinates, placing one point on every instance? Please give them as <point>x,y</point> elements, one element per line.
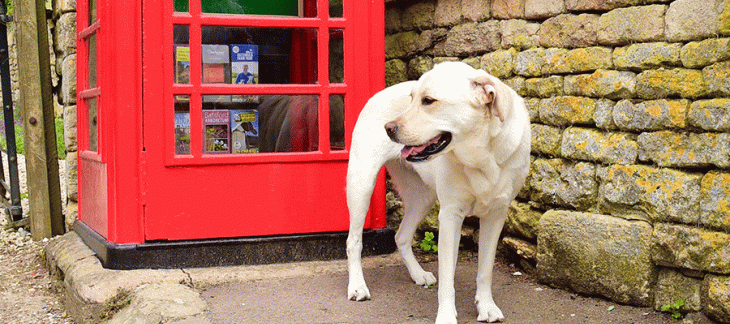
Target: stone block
<point>521,247</point>
<point>69,128</point>
<point>683,17</point>
<point>517,84</point>
<point>508,9</point>
<point>418,66</point>
<point>679,82</point>
<point>64,37</point>
<point>560,61</point>
<point>597,255</point>
<point>499,63</point>
<point>518,33</point>
<point>393,19</point>
<point>475,62</point>
<point>559,182</point>
<point>603,5</point>
<point>715,200</point>
<point>723,20</point>
<point>533,108</point>
<point>473,39</point>
<point>682,246</point>
<point>593,145</point>
<point>545,140</point>
<point>673,286</point>
<point>638,191</point>
<point>428,38</point>
<point>569,31</point>
<point>668,149</point>
<point>647,56</point>
<point>401,44</point>
<point>602,84</point>
<point>604,114</point>
<point>632,25</point>
<point>717,77</point>
<point>395,72</point>
<point>541,9</point>
<point>545,87</point>
<point>706,52</point>
<point>72,187</point>
<point>418,15</point>
<point>651,115</point>
<point>63,6</point>
<point>447,13</point>
<point>68,80</point>
<point>529,63</point>
<point>716,292</point>
<point>566,110</point>
<point>711,115</point>
<point>475,10</point>
<point>522,220</point>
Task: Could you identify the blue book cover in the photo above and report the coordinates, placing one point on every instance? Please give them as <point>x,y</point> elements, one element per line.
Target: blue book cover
<point>245,63</point>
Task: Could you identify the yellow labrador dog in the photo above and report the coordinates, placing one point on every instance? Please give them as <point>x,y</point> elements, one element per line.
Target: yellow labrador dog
<point>458,135</point>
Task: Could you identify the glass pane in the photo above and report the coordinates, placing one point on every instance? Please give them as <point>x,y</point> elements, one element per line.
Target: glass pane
<point>336,8</point>
<point>92,11</point>
<point>255,7</point>
<point>181,5</point>
<point>271,55</point>
<point>241,124</point>
<point>182,54</point>
<point>93,131</point>
<point>182,124</point>
<point>337,122</point>
<point>337,57</point>
<point>91,42</point>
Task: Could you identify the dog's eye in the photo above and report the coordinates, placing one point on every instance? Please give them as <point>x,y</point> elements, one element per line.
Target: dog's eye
<point>427,101</point>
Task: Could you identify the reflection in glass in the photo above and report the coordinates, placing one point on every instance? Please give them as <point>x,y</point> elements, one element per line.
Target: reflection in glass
<point>337,122</point>
<point>182,54</point>
<point>261,123</point>
<point>91,42</point>
<point>336,8</point>
<point>278,55</point>
<point>182,124</point>
<point>93,131</point>
<point>337,57</point>
<point>92,11</point>
<point>181,5</point>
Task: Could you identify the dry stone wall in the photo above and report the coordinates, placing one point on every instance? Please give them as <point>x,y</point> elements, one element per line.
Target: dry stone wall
<point>629,192</point>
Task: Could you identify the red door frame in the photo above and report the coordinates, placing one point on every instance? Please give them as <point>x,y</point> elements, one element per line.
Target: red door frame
<point>135,189</point>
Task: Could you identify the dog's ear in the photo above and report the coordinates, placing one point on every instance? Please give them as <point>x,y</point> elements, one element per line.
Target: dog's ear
<point>488,95</point>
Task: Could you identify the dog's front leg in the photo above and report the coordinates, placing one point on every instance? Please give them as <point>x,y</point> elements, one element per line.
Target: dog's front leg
<point>450,221</point>
<point>490,227</point>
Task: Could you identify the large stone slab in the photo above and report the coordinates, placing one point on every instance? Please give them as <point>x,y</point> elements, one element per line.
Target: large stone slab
<point>597,255</point>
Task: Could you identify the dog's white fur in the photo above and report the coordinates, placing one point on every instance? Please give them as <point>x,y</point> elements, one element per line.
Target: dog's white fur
<point>479,173</point>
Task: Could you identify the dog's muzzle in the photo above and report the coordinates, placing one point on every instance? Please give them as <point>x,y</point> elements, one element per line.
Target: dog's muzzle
<point>420,153</point>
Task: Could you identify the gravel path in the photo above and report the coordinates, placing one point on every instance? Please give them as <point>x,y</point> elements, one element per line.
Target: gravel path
<point>27,292</point>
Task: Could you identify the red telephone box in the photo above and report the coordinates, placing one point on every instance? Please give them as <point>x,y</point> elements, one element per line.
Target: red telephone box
<point>216,132</point>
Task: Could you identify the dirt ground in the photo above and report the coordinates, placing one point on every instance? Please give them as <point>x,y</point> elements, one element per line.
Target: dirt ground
<point>395,299</point>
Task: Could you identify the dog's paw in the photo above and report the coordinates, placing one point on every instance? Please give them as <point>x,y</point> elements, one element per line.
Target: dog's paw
<point>358,293</point>
<point>423,278</point>
<point>489,312</point>
<point>446,317</point>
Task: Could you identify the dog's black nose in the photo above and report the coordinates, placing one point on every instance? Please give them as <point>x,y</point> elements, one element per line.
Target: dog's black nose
<point>391,129</point>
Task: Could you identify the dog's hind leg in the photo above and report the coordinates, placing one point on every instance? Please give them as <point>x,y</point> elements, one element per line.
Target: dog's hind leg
<point>362,174</point>
<point>490,227</point>
<point>417,199</point>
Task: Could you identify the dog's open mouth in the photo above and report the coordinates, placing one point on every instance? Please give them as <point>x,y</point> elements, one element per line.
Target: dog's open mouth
<point>419,153</point>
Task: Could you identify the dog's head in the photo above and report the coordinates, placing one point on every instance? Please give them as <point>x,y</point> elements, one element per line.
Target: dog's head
<point>448,103</point>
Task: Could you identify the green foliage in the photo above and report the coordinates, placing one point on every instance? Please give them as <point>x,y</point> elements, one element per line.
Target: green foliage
<point>428,244</point>
<point>60,146</point>
<point>673,309</point>
<point>20,144</point>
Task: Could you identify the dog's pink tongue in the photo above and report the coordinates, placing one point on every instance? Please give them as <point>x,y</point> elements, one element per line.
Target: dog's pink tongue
<point>412,150</point>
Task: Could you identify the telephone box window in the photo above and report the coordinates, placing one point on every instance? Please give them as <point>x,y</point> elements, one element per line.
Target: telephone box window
<point>182,124</point>
<point>92,61</point>
<point>93,127</point>
<point>337,122</point>
<point>182,54</point>
<point>336,57</point>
